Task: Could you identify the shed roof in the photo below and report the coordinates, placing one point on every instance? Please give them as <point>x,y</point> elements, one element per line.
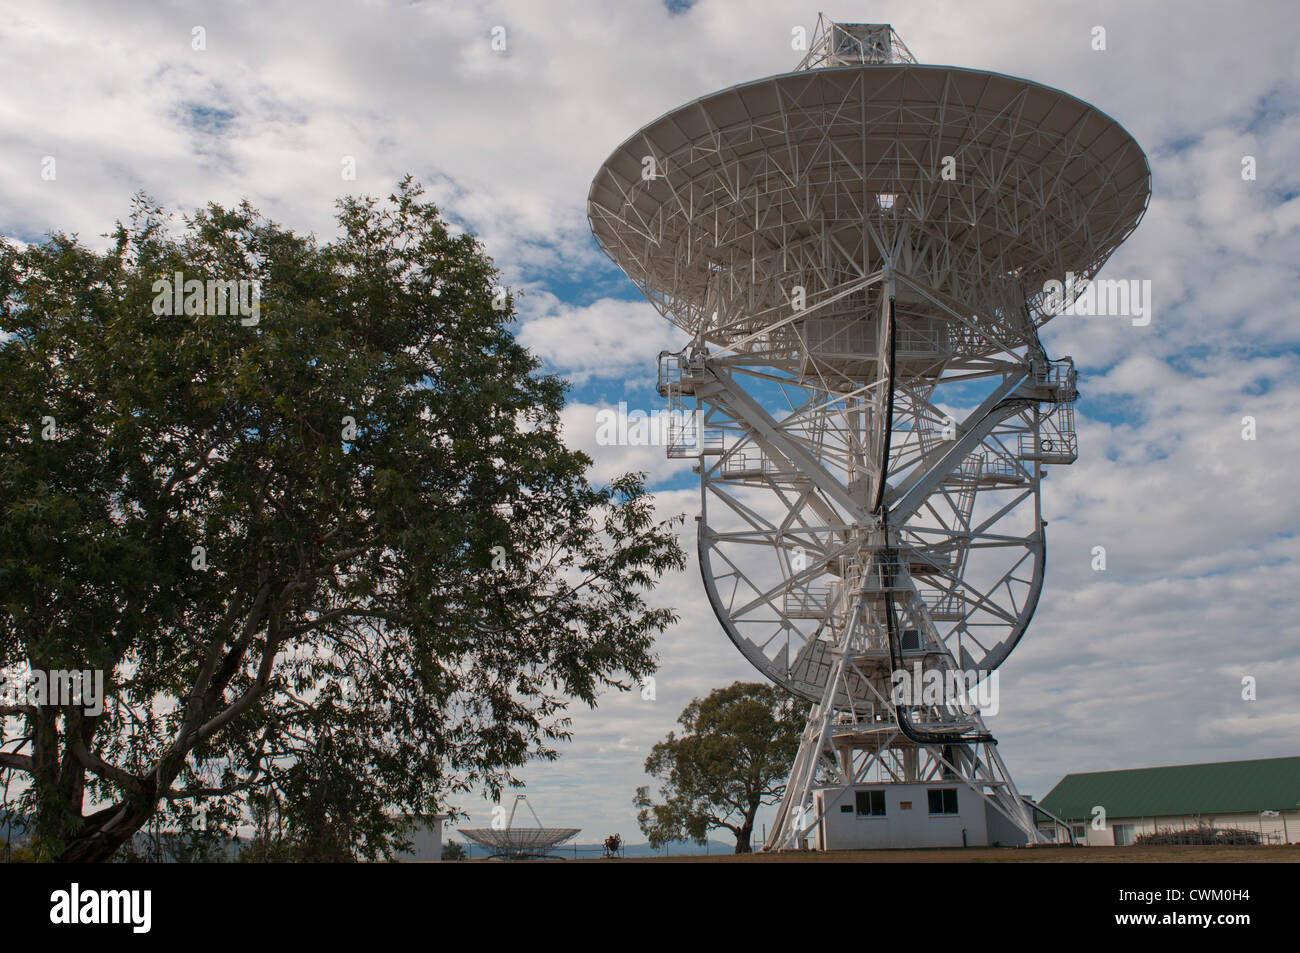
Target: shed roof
<point>1224,787</point>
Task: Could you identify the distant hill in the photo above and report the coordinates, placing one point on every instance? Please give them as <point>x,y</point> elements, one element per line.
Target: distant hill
<point>675,849</point>
<point>678,847</point>
<point>15,831</point>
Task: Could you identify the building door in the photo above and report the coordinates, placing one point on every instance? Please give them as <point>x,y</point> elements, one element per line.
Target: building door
<point>1123,834</point>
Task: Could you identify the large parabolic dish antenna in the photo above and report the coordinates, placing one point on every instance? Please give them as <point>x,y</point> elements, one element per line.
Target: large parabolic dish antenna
<point>859,251</point>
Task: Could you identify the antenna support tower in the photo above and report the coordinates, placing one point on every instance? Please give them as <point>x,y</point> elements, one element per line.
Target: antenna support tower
<point>860,253</point>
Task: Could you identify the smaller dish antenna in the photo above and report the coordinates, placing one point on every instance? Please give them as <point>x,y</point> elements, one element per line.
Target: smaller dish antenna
<point>517,843</point>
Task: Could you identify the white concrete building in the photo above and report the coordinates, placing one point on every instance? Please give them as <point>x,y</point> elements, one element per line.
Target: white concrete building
<point>426,840</point>
<point>925,814</point>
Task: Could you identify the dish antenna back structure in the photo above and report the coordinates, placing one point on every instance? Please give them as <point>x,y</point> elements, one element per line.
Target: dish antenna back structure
<point>859,250</point>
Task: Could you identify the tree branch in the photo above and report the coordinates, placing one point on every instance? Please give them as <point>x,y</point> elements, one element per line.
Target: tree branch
<point>93,762</point>
<point>21,762</point>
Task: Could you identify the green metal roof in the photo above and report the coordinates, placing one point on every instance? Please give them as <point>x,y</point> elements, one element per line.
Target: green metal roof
<point>1226,787</point>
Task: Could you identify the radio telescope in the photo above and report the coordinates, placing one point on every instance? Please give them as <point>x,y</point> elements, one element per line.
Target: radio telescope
<point>858,250</point>
<point>516,843</point>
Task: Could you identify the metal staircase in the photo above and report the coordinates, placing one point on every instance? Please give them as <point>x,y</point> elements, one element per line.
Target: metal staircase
<point>680,373</point>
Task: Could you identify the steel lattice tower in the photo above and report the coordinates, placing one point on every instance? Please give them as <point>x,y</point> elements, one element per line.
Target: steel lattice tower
<point>857,249</point>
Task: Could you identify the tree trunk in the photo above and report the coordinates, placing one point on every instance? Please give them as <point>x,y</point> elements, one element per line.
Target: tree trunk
<point>104,832</point>
<point>742,837</point>
<point>98,837</point>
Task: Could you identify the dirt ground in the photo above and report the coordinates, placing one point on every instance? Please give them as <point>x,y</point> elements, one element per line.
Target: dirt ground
<point>1002,855</point>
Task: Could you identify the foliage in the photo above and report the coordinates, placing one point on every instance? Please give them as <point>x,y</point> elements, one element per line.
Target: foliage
<point>393,612</point>
<point>732,758</point>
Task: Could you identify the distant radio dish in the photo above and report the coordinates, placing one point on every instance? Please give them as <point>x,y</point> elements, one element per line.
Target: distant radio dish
<point>516,843</point>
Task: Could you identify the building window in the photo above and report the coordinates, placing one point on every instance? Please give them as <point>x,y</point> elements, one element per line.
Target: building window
<point>943,800</point>
<point>1123,834</point>
<point>1080,831</point>
<point>871,803</point>
<point>846,808</point>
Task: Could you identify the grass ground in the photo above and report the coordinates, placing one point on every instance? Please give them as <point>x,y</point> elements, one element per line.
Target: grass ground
<point>1002,855</point>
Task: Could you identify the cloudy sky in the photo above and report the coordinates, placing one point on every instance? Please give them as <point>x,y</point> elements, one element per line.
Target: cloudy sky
<point>1138,665</point>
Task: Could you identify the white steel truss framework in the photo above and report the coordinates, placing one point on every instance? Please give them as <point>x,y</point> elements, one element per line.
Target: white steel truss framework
<point>875,410</point>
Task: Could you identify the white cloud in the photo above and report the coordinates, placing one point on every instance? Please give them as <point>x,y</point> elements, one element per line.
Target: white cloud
<point>607,338</point>
<point>582,425</point>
